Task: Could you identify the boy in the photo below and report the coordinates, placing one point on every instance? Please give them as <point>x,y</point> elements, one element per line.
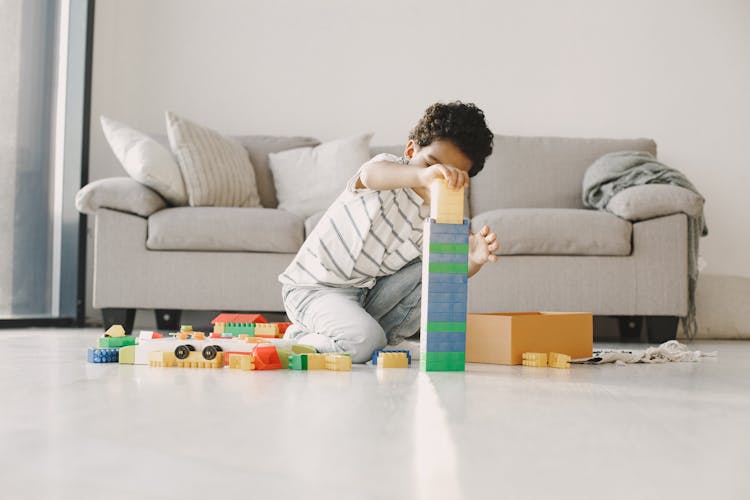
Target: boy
<point>355,285</point>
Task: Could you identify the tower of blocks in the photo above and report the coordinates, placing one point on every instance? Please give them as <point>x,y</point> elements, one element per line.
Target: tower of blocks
<point>445,267</point>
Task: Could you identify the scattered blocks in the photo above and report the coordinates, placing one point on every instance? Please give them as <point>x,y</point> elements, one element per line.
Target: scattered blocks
<point>116,342</point>
<point>241,361</point>
<point>377,353</point>
<point>392,360</point>
<point>164,359</point>
<point>307,361</point>
<point>557,360</point>
<point>126,355</point>
<point>338,362</point>
<point>102,355</point>
<point>535,359</point>
<point>115,331</point>
<point>284,354</point>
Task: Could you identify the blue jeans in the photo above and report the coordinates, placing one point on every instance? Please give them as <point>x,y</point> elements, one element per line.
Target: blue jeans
<point>357,320</point>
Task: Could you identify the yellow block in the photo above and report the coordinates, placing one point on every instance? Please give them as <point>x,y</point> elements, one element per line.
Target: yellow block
<point>195,360</point>
<point>219,327</point>
<point>393,360</point>
<point>242,361</point>
<point>338,362</point>
<point>446,204</point>
<point>316,361</point>
<point>267,330</point>
<point>126,356</point>
<point>161,358</point>
<point>536,359</point>
<point>115,331</point>
<point>557,360</point>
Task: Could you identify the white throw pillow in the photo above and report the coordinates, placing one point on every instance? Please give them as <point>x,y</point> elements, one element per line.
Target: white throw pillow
<point>216,169</point>
<point>146,161</point>
<point>307,180</point>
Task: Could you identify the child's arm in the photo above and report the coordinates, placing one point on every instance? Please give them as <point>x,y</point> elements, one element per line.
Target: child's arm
<point>383,175</point>
<point>482,246</point>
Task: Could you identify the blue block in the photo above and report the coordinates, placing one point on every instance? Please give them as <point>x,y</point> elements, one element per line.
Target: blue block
<point>458,258</point>
<point>446,288</point>
<point>446,317</point>
<point>452,278</point>
<point>376,353</point>
<point>445,342</point>
<point>454,297</point>
<point>436,228</point>
<point>103,355</point>
<point>449,238</point>
<point>447,307</point>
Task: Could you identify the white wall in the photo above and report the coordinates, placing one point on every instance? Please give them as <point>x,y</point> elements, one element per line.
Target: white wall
<point>677,71</point>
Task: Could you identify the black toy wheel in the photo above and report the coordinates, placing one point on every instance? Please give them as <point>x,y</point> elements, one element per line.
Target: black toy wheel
<point>209,352</point>
<point>183,351</point>
<point>190,347</point>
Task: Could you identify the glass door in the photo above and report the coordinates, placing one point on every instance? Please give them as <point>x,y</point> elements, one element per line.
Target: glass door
<point>45,56</point>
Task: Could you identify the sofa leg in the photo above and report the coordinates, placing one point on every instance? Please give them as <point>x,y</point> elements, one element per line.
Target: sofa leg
<point>168,320</point>
<point>661,328</point>
<point>118,316</point>
<point>630,328</point>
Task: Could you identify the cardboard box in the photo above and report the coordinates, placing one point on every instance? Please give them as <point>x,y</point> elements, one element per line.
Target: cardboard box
<point>502,338</point>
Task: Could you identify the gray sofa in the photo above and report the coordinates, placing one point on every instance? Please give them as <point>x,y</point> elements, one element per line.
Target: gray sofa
<point>556,255</point>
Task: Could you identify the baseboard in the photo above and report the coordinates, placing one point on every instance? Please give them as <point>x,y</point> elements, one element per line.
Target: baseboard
<point>723,307</point>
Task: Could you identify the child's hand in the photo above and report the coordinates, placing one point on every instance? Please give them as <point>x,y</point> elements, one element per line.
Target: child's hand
<point>482,247</point>
<point>456,178</point>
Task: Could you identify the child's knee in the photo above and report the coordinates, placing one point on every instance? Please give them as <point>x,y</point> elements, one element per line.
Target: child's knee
<point>362,342</point>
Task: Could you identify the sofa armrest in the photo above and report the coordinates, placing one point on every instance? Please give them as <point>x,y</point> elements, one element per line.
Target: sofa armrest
<point>119,193</point>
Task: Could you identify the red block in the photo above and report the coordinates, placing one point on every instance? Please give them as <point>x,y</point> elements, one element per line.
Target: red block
<point>283,326</point>
<point>266,358</point>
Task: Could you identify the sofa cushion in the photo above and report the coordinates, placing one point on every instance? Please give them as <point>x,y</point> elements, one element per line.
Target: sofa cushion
<point>312,221</point>
<point>230,229</point>
<point>541,172</point>
<point>216,169</point>
<point>118,193</point>
<point>557,231</point>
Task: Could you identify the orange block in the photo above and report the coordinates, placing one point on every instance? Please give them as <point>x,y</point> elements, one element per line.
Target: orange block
<point>502,338</point>
<point>266,357</point>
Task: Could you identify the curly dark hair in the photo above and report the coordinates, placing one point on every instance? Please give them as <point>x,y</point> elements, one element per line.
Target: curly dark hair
<point>461,123</point>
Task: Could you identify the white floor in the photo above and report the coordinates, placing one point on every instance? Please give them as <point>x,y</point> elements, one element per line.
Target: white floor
<point>69,429</point>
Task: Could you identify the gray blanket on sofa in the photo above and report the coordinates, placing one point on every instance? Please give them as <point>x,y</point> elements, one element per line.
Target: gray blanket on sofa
<point>615,172</point>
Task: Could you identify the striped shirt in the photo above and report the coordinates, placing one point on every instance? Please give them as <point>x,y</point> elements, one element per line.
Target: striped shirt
<point>364,234</point>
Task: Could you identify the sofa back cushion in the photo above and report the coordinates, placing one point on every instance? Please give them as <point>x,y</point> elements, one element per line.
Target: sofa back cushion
<point>541,172</point>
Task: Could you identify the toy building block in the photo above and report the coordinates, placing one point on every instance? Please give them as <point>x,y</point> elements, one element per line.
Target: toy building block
<point>102,355</point>
<point>307,361</point>
<point>302,348</point>
<point>338,362</point>
<point>196,359</point>
<point>298,361</point>
<point>164,359</point>
<point>283,325</point>
<point>446,205</point>
<point>115,331</point>
<point>239,322</point>
<point>284,354</point>
<point>267,330</point>
<point>237,329</point>
<point>377,353</point>
<point>443,361</point>
<point>241,361</point>
<point>266,357</point>
<point>186,328</point>
<point>116,342</point>
<point>557,360</point>
<point>535,359</point>
<point>392,360</point>
<point>126,355</point>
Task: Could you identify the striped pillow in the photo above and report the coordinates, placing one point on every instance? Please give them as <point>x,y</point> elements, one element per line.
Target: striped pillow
<point>216,169</point>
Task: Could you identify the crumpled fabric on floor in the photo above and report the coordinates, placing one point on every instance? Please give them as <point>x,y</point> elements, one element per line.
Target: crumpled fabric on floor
<point>671,351</point>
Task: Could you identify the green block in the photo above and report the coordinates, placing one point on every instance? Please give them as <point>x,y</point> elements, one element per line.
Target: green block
<point>284,354</point>
<point>449,268</point>
<point>126,355</point>
<point>237,329</point>
<point>442,361</point>
<point>116,342</point>
<point>449,248</point>
<point>446,326</point>
<point>298,362</point>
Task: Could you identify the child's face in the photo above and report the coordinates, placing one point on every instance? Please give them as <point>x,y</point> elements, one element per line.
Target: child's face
<point>440,151</point>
